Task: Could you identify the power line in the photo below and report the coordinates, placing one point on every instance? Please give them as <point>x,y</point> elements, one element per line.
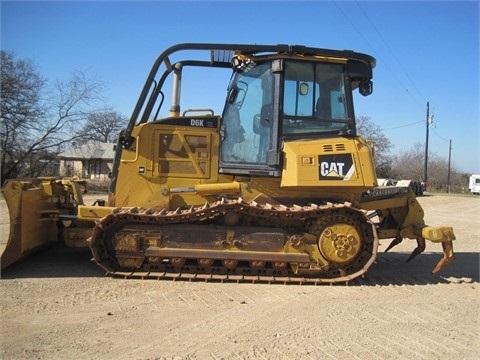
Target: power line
<point>374,52</point>
<point>405,125</point>
<point>440,137</point>
<point>394,74</point>
<point>390,50</point>
<point>434,128</point>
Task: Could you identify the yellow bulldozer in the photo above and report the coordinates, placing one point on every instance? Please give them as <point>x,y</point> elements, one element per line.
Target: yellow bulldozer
<point>279,187</point>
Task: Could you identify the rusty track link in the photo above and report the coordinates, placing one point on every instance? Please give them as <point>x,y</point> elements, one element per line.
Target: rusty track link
<point>315,215</point>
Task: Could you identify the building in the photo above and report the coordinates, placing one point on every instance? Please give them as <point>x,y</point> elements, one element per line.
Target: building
<point>89,161</point>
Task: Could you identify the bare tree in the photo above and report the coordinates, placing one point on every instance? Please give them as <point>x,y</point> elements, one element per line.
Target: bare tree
<point>371,131</point>
<point>104,126</point>
<point>20,102</point>
<point>409,164</point>
<point>38,122</point>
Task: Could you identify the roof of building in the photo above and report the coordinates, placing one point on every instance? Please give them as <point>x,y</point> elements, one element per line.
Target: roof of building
<point>94,150</point>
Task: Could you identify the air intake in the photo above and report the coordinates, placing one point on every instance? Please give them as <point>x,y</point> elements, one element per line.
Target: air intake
<point>333,147</point>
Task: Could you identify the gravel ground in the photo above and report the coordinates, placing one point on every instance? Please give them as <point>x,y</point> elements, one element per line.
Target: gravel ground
<point>59,305</point>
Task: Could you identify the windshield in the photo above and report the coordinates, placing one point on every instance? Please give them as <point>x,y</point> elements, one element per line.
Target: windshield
<point>314,98</point>
<point>247,117</point>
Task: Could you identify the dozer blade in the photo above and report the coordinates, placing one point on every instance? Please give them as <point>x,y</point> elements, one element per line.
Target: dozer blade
<point>33,216</point>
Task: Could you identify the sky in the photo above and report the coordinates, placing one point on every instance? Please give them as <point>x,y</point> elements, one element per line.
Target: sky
<point>426,51</point>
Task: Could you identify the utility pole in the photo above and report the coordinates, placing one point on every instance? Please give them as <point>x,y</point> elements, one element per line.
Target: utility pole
<point>425,164</point>
<point>449,158</point>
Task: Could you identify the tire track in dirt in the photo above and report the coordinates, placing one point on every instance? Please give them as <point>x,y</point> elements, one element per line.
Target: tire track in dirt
<point>235,310</point>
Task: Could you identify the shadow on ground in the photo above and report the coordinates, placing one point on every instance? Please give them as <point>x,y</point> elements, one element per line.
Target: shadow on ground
<point>55,261</point>
<point>390,268</point>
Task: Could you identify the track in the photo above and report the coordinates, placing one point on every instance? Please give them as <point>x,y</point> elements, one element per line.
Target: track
<point>142,243</point>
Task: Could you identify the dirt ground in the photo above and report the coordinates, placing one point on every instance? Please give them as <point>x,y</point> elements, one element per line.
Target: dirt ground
<point>59,305</point>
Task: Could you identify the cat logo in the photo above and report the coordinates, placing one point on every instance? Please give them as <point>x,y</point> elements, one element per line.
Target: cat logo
<point>335,167</point>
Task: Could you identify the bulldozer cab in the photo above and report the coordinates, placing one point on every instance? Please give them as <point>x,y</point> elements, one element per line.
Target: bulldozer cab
<point>277,93</point>
<point>284,99</point>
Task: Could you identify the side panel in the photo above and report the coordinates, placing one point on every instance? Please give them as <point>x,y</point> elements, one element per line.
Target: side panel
<point>329,163</point>
<point>167,156</point>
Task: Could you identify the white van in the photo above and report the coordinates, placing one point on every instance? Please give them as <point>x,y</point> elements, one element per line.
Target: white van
<point>474,184</point>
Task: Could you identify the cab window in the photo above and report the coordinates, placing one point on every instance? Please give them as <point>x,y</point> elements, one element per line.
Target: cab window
<point>314,98</point>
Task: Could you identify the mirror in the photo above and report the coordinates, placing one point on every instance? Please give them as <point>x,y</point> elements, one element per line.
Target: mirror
<point>361,72</point>
<point>365,87</point>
